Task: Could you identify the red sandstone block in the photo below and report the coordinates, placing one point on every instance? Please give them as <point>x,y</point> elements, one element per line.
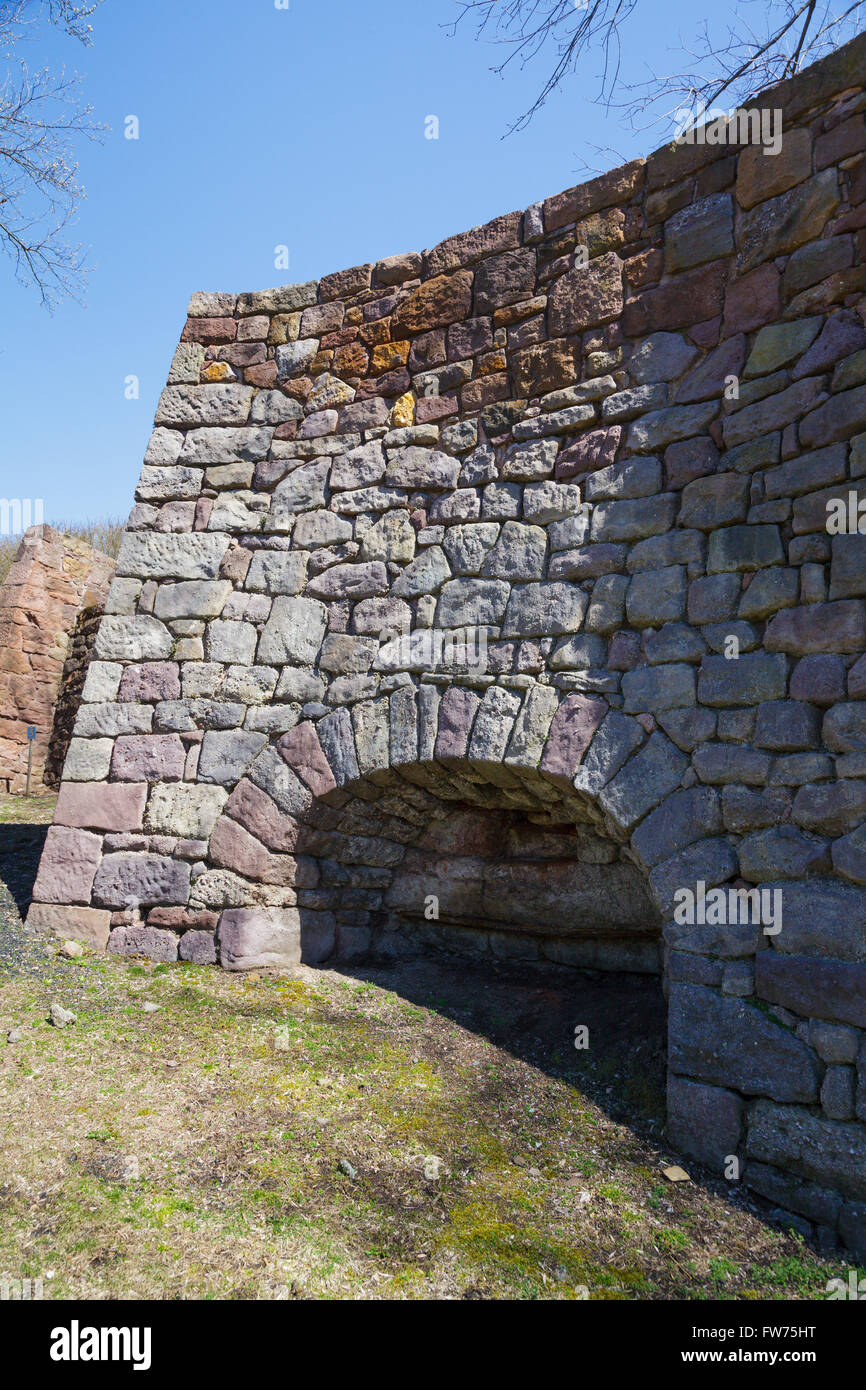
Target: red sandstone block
<point>301,749</point>
<point>152,680</point>
<point>209,331</point>
<point>148,758</point>
<point>571,733</point>
<point>432,408</point>
<point>68,866</point>
<point>182,918</point>
<point>753,301</point>
<point>456,713</point>
<point>101,805</point>
<point>259,814</point>
<point>485,391</point>
<point>592,451</point>
<point>233,847</point>
<point>345,283</point>
<point>610,190</point>
<point>847,139</point>
<point>682,301</point>
<point>502,234</point>
<point>264,374</point>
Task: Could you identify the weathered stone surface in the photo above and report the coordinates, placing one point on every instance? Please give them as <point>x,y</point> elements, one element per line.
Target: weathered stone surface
<point>760,177</point>
<point>67,867</point>
<point>586,296</point>
<point>662,427</point>
<point>783,852</point>
<point>782,224</point>
<point>684,818</point>
<point>539,609</point>
<point>422,468</point>
<point>101,806</point>
<point>89,925</point>
<point>437,302</point>
<point>226,755</point>
<point>753,678</point>
<point>222,404</point>
<point>153,555</point>
<point>124,880</point>
<point>148,758</point>
<point>140,638</point>
<point>543,367</point>
<point>571,732</point>
<point>692,297</point>
<point>465,601</point>
<point>720,1040</point>
<point>819,627</point>
<point>831,809</point>
<point>816,1148</point>
<point>276,572</point>
<point>293,633</point>
<point>149,942</point>
<point>775,412</point>
<point>259,937</point>
<point>842,334</point>
<point>662,357</point>
<point>779,344</point>
<point>849,856</point>
<point>716,374</point>
<point>841,416</point>
<point>703,1121</point>
<point>741,548</point>
<point>645,780</point>
<point>786,726</point>
<point>184,809</point>
<point>504,279</point>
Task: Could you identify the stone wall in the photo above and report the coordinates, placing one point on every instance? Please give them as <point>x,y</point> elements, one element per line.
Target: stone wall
<point>54,581</point>
<point>594,443</point>
<point>79,653</point>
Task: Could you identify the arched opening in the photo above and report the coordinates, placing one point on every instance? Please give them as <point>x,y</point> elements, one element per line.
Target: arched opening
<point>453,860</point>
<point>501,897</point>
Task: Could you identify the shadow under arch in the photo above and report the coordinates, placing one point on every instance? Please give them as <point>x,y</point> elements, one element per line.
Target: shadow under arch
<point>394,846</point>
<point>498,893</point>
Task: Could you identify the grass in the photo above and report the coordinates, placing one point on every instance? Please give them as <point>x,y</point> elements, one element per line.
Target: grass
<point>102,535</point>
<point>272,1137</point>
<point>27,810</point>
<point>319,1136</point>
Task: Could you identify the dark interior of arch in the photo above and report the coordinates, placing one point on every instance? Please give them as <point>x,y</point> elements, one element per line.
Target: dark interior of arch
<point>469,862</point>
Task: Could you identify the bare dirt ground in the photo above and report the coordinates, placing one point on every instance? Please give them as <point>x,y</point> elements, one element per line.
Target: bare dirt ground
<point>421,1131</point>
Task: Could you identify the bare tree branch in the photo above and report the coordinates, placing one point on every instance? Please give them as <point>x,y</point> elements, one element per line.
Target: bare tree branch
<point>40,118</point>
<point>791,33</point>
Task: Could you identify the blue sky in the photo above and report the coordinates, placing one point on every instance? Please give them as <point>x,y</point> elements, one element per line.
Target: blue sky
<point>260,127</point>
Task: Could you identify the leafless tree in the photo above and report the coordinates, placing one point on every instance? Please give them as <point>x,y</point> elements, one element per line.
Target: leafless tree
<point>41,116</point>
<point>759,43</point>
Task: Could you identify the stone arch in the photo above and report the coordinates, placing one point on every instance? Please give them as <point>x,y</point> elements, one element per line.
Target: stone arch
<point>613,470</point>
<point>345,805</point>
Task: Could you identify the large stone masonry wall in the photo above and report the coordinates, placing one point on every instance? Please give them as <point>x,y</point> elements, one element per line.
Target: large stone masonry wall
<point>605,470</point>
<point>56,585</point>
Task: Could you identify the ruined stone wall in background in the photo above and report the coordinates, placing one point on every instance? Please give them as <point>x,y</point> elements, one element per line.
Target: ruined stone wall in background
<point>601,435</point>
<point>54,580</point>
